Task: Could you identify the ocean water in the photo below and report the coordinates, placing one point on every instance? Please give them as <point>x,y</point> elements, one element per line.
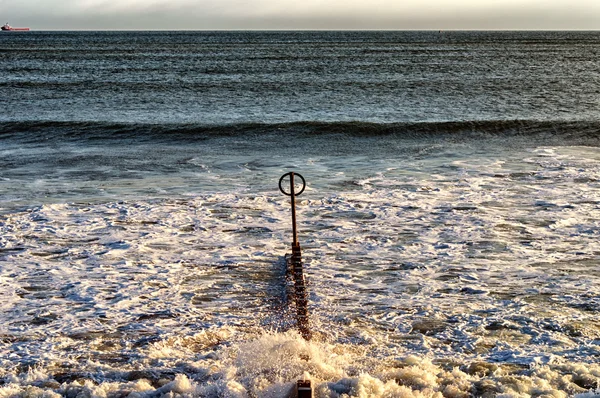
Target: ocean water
<point>450,225</point>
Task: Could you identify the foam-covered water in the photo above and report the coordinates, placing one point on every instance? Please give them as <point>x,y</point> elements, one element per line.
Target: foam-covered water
<point>463,270</point>
<point>448,258</point>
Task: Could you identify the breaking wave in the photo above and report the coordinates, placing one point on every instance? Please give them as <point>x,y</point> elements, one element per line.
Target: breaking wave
<point>576,132</point>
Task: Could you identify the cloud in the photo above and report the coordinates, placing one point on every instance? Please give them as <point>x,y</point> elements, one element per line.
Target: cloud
<point>308,14</point>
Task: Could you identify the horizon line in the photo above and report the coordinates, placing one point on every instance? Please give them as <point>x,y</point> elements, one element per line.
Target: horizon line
<point>316,30</point>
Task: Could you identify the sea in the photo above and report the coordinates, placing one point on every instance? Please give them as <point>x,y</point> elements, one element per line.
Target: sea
<point>450,223</point>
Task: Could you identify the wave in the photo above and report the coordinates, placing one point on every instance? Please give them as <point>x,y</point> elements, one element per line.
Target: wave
<point>587,132</point>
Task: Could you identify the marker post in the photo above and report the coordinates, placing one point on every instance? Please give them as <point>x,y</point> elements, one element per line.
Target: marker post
<point>294,262</point>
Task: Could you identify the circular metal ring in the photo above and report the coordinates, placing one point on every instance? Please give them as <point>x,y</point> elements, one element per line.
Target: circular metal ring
<point>295,174</point>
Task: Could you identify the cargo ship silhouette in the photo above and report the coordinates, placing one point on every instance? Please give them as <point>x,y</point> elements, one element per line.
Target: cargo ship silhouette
<point>6,26</point>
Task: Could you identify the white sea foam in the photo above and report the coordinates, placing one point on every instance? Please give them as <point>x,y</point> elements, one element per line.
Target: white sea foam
<point>447,278</point>
<point>268,365</point>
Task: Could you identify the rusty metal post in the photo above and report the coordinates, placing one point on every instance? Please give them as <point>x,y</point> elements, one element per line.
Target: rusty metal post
<point>293,203</point>
<point>300,293</point>
<point>294,263</point>
<point>292,194</point>
<point>304,389</point>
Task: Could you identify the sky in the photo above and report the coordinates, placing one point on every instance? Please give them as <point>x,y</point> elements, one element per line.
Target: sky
<point>302,14</point>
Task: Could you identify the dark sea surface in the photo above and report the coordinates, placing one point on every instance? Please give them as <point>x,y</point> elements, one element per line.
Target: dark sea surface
<point>450,223</point>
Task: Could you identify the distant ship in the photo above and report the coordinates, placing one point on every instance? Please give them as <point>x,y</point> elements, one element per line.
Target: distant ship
<point>6,26</point>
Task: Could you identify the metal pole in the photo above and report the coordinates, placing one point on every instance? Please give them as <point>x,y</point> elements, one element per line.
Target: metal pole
<point>304,389</point>
<point>293,200</point>
<point>295,263</point>
<point>300,293</point>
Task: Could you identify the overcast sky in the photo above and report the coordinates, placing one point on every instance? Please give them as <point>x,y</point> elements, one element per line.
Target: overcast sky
<point>302,14</point>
